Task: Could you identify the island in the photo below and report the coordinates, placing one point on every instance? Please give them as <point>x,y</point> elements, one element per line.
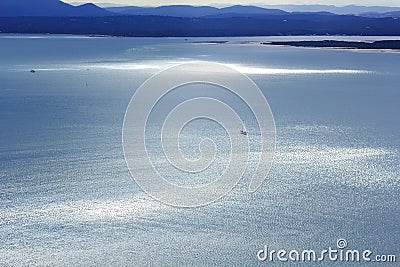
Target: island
<point>381,45</point>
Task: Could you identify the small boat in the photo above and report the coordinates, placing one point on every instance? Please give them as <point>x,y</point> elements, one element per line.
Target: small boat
<point>32,71</point>
<point>243,132</point>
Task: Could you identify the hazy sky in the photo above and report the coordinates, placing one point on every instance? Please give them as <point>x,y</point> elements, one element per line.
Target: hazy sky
<point>259,2</point>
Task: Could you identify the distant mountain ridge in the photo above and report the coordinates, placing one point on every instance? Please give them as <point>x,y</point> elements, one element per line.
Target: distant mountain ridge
<point>340,10</point>
<point>187,11</point>
<point>53,16</point>
<point>57,8</point>
<point>393,14</point>
<point>50,8</point>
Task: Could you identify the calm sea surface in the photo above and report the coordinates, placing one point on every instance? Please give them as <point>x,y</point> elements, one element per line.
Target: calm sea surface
<point>67,198</point>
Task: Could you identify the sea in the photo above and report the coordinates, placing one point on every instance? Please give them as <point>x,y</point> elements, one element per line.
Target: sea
<point>67,197</point>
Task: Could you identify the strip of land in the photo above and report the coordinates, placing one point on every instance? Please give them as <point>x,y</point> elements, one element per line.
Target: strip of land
<point>381,45</point>
<point>162,26</point>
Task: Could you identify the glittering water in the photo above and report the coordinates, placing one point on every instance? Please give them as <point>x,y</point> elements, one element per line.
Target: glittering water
<point>66,196</point>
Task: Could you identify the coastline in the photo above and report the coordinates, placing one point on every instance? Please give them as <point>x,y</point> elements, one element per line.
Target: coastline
<point>384,45</point>
<point>356,43</point>
<point>358,46</point>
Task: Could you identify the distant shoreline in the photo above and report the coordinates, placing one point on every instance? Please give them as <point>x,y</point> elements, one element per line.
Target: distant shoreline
<point>386,45</point>
<point>379,45</point>
<point>376,45</point>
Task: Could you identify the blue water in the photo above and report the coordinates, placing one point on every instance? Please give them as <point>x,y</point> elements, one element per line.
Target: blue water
<point>66,196</point>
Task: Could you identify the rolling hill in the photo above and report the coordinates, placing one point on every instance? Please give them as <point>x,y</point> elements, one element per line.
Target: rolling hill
<point>162,26</point>
<point>53,16</point>
<point>186,11</point>
<point>49,8</point>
